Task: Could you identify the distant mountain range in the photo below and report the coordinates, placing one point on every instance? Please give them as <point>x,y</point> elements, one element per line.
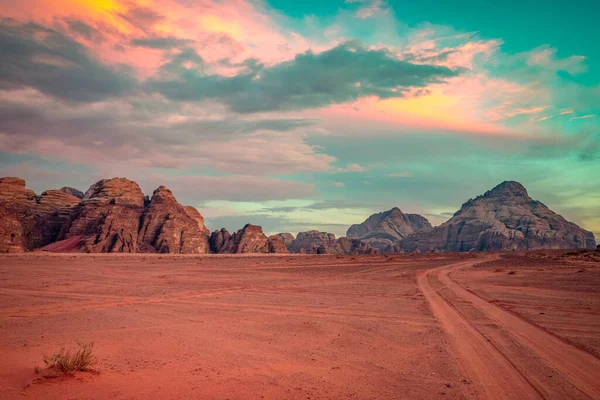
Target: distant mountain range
<point>113,215</point>
<point>503,219</point>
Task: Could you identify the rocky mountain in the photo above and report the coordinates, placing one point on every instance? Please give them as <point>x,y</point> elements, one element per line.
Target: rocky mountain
<point>28,221</point>
<point>108,218</point>
<point>168,227</point>
<point>315,242</point>
<point>504,218</point>
<point>112,216</point>
<point>386,228</point>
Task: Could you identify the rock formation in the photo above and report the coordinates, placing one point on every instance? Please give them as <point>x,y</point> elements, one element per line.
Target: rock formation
<point>115,216</point>
<point>220,241</point>
<point>28,221</point>
<point>504,218</point>
<point>386,228</point>
<point>276,244</point>
<point>315,242</point>
<point>73,192</point>
<point>287,239</point>
<point>168,227</point>
<point>108,217</point>
<point>249,239</point>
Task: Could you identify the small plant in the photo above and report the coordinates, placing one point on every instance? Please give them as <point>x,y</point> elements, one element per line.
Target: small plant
<point>67,361</point>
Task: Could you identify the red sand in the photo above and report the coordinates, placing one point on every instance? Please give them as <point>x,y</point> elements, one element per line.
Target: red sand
<point>303,327</point>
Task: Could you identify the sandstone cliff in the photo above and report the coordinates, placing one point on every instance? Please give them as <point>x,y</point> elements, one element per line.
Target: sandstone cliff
<point>168,227</point>
<point>249,239</point>
<point>108,218</point>
<point>28,221</point>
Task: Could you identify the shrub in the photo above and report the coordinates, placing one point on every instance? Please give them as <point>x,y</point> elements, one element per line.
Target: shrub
<point>68,361</point>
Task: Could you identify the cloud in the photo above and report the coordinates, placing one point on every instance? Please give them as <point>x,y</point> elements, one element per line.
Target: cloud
<point>400,175</point>
<point>161,42</point>
<point>196,189</point>
<point>311,80</point>
<point>369,8</point>
<point>44,59</point>
<point>151,132</point>
<point>353,168</point>
<point>582,117</point>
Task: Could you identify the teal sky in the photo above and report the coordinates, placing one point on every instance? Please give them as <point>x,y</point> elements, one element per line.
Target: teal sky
<point>306,115</point>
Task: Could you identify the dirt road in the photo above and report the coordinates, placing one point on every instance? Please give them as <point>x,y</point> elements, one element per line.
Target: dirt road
<point>503,354</point>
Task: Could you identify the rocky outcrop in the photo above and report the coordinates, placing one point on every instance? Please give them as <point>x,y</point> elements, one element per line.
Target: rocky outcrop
<point>504,218</point>
<point>315,242</point>
<point>220,242</point>
<point>249,239</point>
<point>73,192</point>
<point>108,217</point>
<point>287,239</point>
<point>28,221</point>
<point>168,227</point>
<point>347,246</point>
<point>386,228</point>
<point>13,189</point>
<point>276,244</point>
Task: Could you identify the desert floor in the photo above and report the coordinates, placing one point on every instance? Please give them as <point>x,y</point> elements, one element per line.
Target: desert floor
<point>304,327</point>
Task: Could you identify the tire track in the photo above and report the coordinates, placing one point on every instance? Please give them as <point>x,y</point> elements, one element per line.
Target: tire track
<point>577,366</point>
<point>492,374</point>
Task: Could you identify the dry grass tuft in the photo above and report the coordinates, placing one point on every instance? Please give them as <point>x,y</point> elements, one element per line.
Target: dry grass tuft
<point>67,361</point>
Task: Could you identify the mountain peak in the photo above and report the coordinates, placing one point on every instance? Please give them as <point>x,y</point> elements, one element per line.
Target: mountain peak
<point>508,189</point>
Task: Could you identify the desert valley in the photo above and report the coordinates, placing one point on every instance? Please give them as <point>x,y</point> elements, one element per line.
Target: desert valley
<point>299,200</point>
<point>501,301</point>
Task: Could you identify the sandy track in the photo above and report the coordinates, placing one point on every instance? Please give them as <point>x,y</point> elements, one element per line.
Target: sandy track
<point>495,361</point>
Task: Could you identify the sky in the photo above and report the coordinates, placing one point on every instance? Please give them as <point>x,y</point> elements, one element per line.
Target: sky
<point>299,115</point>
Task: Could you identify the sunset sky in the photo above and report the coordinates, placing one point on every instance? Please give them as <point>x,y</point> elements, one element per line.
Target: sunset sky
<point>299,115</point>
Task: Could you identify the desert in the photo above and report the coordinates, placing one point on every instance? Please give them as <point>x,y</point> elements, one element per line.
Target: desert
<point>457,325</point>
<point>303,200</point>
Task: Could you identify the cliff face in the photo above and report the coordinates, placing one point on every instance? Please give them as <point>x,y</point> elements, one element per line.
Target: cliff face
<point>28,221</point>
<point>504,218</point>
<point>112,216</point>
<point>108,218</point>
<point>386,228</point>
<point>249,239</point>
<point>168,227</point>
